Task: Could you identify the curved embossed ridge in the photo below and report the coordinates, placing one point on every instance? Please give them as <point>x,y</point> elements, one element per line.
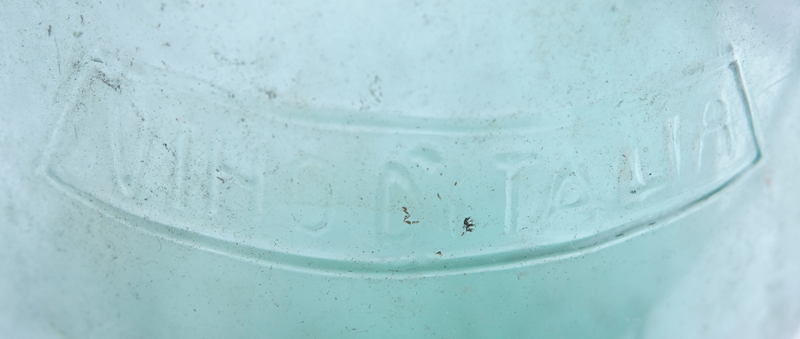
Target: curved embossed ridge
<point>349,193</point>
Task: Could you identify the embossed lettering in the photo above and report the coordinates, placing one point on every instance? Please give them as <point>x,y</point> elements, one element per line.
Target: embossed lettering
<point>511,164</point>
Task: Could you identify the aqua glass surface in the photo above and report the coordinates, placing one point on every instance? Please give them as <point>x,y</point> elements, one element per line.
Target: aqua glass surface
<point>371,169</point>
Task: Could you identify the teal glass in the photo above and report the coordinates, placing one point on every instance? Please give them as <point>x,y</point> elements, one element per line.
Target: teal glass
<point>373,169</point>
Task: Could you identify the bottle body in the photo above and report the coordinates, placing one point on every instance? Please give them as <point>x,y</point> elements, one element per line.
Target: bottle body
<point>452,171</point>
